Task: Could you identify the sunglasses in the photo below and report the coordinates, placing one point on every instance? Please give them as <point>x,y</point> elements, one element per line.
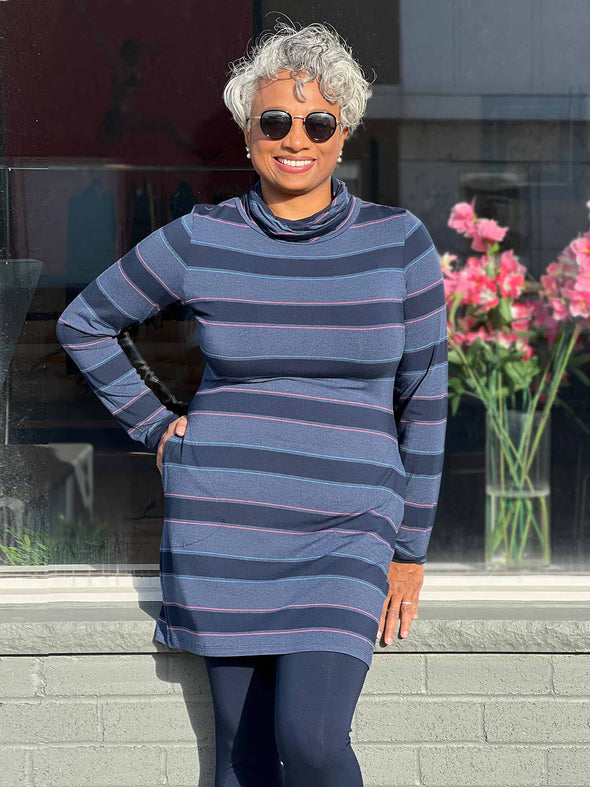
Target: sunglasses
<point>276,124</point>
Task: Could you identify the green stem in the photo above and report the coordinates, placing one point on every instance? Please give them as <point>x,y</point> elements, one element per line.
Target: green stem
<point>525,454</point>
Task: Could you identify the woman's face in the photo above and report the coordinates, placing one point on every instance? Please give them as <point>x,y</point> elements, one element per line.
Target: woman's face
<point>264,152</point>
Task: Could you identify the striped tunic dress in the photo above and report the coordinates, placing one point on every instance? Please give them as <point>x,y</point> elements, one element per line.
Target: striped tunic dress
<point>314,446</point>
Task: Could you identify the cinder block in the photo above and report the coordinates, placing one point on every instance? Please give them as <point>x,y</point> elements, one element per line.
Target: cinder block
<point>481,766</point>
<point>49,721</point>
<point>568,765</point>
<point>436,719</point>
<point>98,766</point>
<point>416,719</point>
<point>537,721</point>
<point>571,674</point>
<point>13,772</point>
<point>19,676</point>
<point>488,673</point>
<point>398,673</point>
<point>388,766</point>
<point>158,720</point>
<point>187,675</point>
<point>131,675</point>
<point>187,766</point>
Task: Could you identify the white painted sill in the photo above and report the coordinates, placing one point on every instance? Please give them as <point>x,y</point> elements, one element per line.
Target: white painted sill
<point>442,582</point>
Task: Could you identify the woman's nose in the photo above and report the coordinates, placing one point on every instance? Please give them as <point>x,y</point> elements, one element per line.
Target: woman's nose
<point>297,136</point>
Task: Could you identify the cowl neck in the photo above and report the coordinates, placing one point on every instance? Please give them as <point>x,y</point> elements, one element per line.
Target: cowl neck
<point>326,221</point>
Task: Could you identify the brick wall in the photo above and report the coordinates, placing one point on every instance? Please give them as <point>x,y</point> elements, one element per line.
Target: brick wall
<point>441,719</point>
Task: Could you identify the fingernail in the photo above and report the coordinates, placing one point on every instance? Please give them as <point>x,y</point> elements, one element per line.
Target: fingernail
<point>388,641</point>
<point>404,633</point>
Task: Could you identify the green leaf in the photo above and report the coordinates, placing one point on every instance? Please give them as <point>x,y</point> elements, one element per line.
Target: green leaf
<point>581,376</point>
<point>455,384</point>
<point>454,402</point>
<point>504,308</point>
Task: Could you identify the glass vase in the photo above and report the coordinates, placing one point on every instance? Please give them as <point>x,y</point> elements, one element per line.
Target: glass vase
<point>517,490</point>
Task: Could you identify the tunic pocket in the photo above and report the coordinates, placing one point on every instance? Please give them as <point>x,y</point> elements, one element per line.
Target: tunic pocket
<point>171,453</point>
<point>165,450</point>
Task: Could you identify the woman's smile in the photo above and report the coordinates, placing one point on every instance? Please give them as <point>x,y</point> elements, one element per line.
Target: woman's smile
<point>287,164</point>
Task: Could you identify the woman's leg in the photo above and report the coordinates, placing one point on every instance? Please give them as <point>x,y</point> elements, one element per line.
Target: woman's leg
<point>316,695</point>
<point>242,688</point>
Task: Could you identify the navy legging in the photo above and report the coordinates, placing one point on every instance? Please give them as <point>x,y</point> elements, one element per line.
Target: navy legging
<point>291,707</point>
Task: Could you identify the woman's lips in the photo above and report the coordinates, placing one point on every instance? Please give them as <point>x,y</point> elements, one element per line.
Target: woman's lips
<point>287,168</point>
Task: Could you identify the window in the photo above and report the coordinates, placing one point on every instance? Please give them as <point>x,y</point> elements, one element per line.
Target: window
<point>113,125</point>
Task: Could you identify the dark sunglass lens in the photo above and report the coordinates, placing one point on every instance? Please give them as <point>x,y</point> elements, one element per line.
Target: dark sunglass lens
<point>275,124</point>
<point>320,126</point>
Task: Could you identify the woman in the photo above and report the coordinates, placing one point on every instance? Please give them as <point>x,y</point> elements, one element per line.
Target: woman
<point>301,490</point>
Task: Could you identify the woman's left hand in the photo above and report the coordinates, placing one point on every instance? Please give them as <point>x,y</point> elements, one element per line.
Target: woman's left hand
<point>176,427</point>
<point>405,583</point>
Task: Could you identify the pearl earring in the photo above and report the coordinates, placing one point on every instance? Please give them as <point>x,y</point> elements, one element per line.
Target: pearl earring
<point>248,153</point>
<point>339,159</point>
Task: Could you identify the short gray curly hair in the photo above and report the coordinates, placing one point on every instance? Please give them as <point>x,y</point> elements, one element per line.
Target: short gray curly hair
<point>314,50</point>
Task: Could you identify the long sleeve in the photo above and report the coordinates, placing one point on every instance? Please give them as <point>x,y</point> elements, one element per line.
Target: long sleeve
<point>420,391</point>
<point>142,282</point>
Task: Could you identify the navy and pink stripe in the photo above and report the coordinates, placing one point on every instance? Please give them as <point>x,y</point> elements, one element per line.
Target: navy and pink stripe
<point>314,447</point>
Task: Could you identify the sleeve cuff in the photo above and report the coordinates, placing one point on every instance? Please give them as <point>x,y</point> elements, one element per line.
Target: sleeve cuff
<point>399,558</point>
<point>153,436</point>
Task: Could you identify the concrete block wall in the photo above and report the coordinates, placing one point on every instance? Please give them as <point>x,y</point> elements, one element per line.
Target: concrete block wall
<point>440,719</point>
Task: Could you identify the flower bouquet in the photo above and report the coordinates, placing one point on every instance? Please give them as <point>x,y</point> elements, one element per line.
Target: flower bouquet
<point>513,342</point>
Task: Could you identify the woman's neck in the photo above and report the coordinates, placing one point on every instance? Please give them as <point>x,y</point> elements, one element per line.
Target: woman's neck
<point>297,206</point>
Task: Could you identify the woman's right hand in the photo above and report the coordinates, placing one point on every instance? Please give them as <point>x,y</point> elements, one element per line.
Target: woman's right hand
<point>176,427</point>
<point>405,583</point>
